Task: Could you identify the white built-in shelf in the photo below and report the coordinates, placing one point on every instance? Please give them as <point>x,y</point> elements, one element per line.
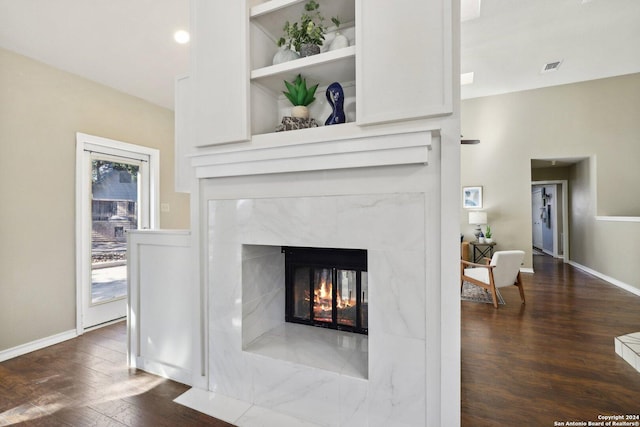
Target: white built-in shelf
<point>338,64</point>
<point>290,10</point>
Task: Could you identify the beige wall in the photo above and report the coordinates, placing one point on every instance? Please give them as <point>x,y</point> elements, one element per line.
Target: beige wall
<point>41,109</point>
<point>596,120</point>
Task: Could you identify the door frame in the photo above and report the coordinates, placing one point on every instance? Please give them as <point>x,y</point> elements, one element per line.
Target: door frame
<point>85,142</point>
<point>564,185</point>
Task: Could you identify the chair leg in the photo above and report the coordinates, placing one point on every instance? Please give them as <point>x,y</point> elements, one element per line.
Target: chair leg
<point>494,294</point>
<point>520,287</point>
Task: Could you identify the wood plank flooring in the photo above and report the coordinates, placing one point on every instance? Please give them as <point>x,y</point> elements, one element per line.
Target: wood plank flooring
<point>552,359</point>
<point>85,382</point>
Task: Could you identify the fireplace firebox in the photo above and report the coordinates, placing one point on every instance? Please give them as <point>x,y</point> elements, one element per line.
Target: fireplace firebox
<point>327,288</point>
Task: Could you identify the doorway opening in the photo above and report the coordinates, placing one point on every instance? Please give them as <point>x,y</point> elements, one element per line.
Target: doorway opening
<point>116,191</point>
<point>550,210</point>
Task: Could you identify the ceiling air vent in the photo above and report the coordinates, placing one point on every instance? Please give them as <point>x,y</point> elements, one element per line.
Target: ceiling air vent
<point>551,66</point>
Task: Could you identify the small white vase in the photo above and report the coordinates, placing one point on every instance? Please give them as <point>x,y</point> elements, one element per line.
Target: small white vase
<point>284,54</point>
<point>300,111</point>
<point>481,240</point>
<point>488,239</point>
<point>339,42</point>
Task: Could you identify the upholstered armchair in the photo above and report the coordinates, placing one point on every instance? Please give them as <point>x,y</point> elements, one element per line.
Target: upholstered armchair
<point>503,269</point>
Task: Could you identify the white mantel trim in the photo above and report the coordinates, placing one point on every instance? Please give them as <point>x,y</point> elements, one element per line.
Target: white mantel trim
<point>364,151</point>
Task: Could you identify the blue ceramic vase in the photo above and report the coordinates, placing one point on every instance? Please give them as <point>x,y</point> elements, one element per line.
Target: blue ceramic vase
<point>335,96</point>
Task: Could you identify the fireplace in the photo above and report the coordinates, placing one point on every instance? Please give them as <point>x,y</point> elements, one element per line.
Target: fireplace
<point>327,288</point>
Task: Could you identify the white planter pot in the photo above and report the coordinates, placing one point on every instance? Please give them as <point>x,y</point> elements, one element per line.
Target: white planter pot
<point>488,239</point>
<point>300,111</point>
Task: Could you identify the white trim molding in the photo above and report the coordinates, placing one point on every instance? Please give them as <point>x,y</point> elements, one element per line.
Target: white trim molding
<point>358,151</point>
<point>526,270</point>
<point>618,218</point>
<point>25,348</point>
<point>606,278</point>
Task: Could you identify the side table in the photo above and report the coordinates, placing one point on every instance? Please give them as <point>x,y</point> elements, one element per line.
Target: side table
<point>482,250</point>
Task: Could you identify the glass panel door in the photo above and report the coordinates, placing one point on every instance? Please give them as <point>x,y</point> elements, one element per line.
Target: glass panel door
<point>117,200</point>
<point>323,295</point>
<point>114,210</point>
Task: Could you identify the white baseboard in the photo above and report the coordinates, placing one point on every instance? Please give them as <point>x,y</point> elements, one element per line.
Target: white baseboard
<point>526,270</point>
<point>606,278</point>
<point>10,353</point>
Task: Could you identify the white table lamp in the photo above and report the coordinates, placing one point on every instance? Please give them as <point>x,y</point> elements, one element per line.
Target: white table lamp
<point>477,218</point>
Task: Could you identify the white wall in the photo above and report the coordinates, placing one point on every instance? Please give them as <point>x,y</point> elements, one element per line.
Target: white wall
<point>41,109</point>
<point>597,120</point>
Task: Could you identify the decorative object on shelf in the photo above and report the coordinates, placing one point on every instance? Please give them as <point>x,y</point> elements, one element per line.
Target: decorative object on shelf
<point>340,41</point>
<point>478,218</point>
<point>335,96</point>
<point>284,54</point>
<point>488,235</point>
<point>309,31</point>
<point>309,49</point>
<point>472,197</point>
<point>294,123</point>
<point>300,96</point>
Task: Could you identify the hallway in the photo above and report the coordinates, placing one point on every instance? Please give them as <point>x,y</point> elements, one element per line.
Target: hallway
<point>552,359</point>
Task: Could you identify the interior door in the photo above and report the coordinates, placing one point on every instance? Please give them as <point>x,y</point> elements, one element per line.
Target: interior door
<point>117,200</point>
<point>536,216</point>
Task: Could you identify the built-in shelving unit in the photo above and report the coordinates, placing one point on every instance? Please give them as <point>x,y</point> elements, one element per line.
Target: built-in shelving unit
<point>339,64</point>
<point>267,19</point>
<point>271,15</point>
<point>395,69</point>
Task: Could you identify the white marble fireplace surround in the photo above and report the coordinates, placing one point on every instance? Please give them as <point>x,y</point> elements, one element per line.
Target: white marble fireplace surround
<point>262,371</point>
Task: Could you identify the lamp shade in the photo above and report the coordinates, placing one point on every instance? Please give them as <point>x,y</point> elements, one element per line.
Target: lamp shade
<point>477,217</point>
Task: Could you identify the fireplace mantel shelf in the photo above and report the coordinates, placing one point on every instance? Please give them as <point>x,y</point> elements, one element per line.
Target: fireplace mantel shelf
<point>325,148</point>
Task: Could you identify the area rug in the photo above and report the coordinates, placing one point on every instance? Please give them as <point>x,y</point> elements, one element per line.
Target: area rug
<point>477,294</point>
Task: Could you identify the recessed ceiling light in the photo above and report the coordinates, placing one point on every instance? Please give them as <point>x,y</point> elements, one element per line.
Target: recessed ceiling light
<point>181,37</point>
<point>551,66</point>
<point>466,78</point>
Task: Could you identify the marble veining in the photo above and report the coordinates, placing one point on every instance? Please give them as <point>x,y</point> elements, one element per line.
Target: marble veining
<point>323,378</point>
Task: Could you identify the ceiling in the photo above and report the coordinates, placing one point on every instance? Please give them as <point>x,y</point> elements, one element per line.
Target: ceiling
<point>508,45</point>
<point>125,44</point>
<point>128,45</point>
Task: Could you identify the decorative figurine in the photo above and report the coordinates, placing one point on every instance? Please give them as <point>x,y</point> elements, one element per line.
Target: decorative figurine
<point>335,96</point>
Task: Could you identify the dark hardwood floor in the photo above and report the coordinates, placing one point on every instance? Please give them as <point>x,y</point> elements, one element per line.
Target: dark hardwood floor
<point>85,382</point>
<point>552,359</point>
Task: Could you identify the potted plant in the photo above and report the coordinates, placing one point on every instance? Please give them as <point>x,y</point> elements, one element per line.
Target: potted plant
<point>305,36</point>
<point>488,236</point>
<point>300,96</point>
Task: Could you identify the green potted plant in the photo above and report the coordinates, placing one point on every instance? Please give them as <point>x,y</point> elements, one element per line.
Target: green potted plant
<point>300,96</point>
<point>488,236</point>
<point>305,36</point>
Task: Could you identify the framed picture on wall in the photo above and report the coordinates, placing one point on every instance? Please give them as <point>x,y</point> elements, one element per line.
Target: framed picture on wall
<point>472,197</point>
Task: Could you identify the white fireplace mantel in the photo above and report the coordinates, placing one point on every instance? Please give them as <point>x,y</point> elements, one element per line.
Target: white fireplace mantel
<point>313,150</point>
